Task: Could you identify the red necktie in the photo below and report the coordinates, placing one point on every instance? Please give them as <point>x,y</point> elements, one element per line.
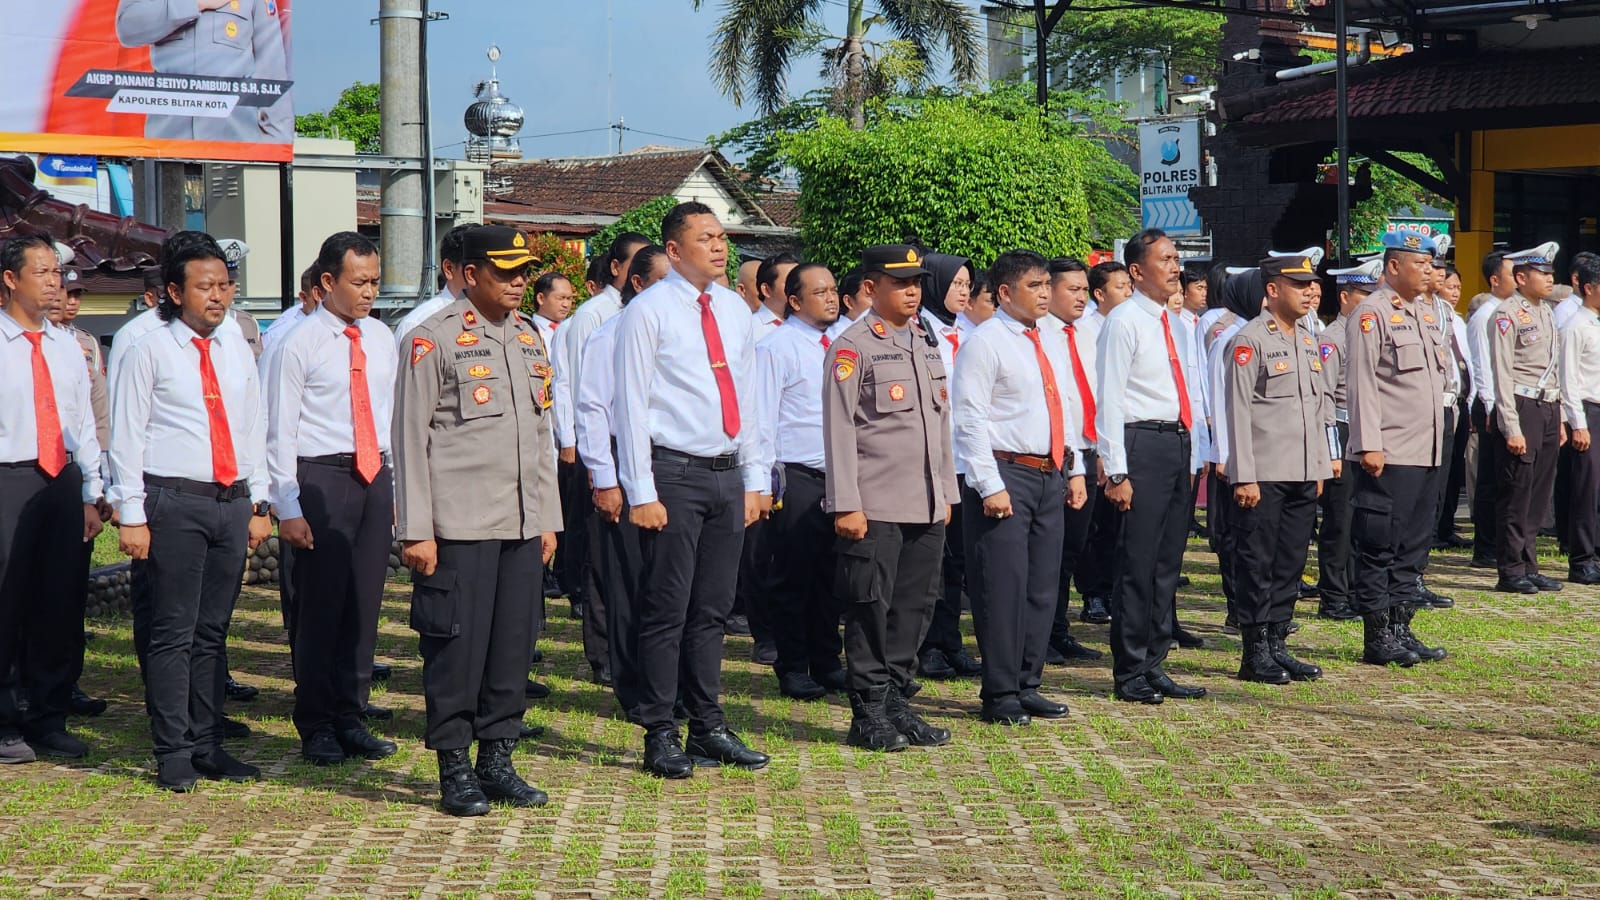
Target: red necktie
<point>1082,378</point>
<point>224,468</point>
<point>954,338</point>
<point>368,461</point>
<point>719,368</point>
<point>825,343</point>
<point>1184,414</point>
<point>46,420</point>
<point>1052,400</point>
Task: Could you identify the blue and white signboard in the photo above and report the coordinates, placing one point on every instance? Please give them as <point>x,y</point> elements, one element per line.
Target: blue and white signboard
<point>1169,165</point>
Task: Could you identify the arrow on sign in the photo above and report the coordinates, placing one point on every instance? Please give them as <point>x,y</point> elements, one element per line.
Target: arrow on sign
<point>1173,214</point>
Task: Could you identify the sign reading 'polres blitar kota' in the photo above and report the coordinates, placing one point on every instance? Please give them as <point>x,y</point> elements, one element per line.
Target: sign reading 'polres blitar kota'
<point>1169,165</point>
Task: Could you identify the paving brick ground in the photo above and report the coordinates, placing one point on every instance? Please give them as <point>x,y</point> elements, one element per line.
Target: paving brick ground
<point>1478,776</point>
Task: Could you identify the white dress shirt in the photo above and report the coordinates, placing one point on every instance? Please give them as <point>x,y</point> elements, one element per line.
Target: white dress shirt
<point>281,326</point>
<point>593,418</point>
<point>308,405</point>
<point>1580,367</point>
<point>999,400</point>
<point>763,323</point>
<point>838,328</point>
<point>1087,333</point>
<point>1568,308</point>
<point>420,313</point>
<point>1478,346</point>
<point>566,357</point>
<point>1199,381</point>
<point>964,325</point>
<point>1135,381</point>
<point>1456,343</point>
<point>667,395</point>
<point>547,330</point>
<point>790,365</point>
<point>159,424</point>
<point>1216,376</point>
<point>69,380</point>
<point>134,330</point>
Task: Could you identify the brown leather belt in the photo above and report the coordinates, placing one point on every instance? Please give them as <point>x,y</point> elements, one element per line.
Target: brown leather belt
<point>1042,463</point>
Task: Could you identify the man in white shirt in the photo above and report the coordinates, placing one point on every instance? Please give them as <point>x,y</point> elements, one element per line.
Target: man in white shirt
<point>328,437</point>
<point>1013,415</point>
<point>1109,288</point>
<point>310,296</point>
<point>50,485</point>
<point>746,284</point>
<point>552,303</point>
<point>693,481</point>
<point>1573,302</point>
<point>450,247</point>
<point>134,330</point>
<point>1144,427</point>
<point>1502,284</point>
<point>188,454</point>
<point>1580,406</point>
<point>771,277</point>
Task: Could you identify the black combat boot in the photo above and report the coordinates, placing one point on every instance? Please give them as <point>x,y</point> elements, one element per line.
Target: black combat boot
<point>1277,645</point>
<point>499,778</point>
<point>1257,663</point>
<point>1379,645</point>
<point>459,791</point>
<point>898,709</point>
<point>1336,608</point>
<point>1400,625</point>
<point>870,728</point>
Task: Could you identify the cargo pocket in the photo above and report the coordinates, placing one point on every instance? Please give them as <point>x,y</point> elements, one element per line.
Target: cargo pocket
<point>1371,518</point>
<point>856,578</point>
<point>433,604</point>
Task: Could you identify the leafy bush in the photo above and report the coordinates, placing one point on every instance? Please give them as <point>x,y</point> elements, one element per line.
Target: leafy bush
<point>556,255</point>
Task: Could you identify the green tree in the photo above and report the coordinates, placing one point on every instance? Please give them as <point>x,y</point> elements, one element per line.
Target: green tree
<point>646,219</point>
<point>1392,194</point>
<point>354,117</point>
<point>958,178</point>
<point>756,39</point>
<point>556,255</point>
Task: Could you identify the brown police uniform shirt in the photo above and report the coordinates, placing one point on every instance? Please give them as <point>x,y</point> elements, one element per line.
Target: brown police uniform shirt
<point>473,438</point>
<point>1278,405</point>
<point>1522,353</point>
<point>251,329</point>
<point>886,425</point>
<point>1396,378</point>
<point>99,394</point>
<point>1222,324</point>
<point>1335,362</point>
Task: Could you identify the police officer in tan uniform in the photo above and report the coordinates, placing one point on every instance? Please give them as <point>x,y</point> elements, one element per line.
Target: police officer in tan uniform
<point>891,481</point>
<point>1527,417</point>
<point>1280,420</point>
<point>1396,377</point>
<point>476,513</point>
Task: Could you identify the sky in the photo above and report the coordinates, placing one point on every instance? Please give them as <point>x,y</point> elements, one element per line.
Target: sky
<point>553,64</point>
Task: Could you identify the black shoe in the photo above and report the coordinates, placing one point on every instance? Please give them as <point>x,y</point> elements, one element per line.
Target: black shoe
<point>1070,648</point>
<point>1432,600</point>
<point>374,713</point>
<point>1137,690</point>
<point>1166,687</point>
<point>1183,581</point>
<point>234,730</point>
<point>1230,624</point>
<point>1256,662</point>
<point>360,742</point>
<point>15,751</point>
<point>664,756</point>
<point>322,748</point>
<point>1544,582</point>
<point>1585,574</point>
<point>1010,713</point>
<point>1096,611</point>
<point>552,586</point>
<point>1052,656</point>
<point>58,744</point>
<point>81,704</point>
<point>897,708</point>
<point>800,686</point>
<point>964,664</point>
<point>834,680</point>
<point>1483,562</point>
<point>870,728</point>
<point>1400,624</point>
<point>1309,591</point>
<point>1337,610</point>
<point>381,671</point>
<point>737,625</point>
<point>764,653</point>
<point>499,779</point>
<point>177,774</point>
<point>601,676</point>
<point>460,794</point>
<point>575,608</point>
<point>1187,639</point>
<point>724,747</point>
<point>535,690</point>
<point>219,765</point>
<point>530,731</point>
<point>1379,645</point>
<point>1454,541</point>
<point>933,664</point>
<point>1042,707</point>
<point>1293,626</point>
<point>240,692</point>
<point>1198,530</point>
<point>1279,648</point>
<point>1516,584</point>
<point>535,657</point>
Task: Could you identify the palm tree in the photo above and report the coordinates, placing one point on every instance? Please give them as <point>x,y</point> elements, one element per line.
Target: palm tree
<point>755,40</point>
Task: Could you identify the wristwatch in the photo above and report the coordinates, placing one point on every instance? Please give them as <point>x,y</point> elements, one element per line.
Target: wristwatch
<point>1116,479</point>
<point>263,509</point>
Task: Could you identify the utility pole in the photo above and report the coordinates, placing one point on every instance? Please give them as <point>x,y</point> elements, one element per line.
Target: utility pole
<point>400,24</point>
<point>1045,20</point>
<point>1341,116</point>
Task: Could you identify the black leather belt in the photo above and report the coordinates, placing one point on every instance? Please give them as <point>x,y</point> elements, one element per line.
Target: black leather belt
<point>818,474</point>
<point>715,463</point>
<point>29,463</point>
<point>342,460</point>
<point>1175,427</point>
<point>236,491</point>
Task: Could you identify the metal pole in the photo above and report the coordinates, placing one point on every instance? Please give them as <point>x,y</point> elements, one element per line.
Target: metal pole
<point>430,238</point>
<point>401,208</point>
<point>286,259</point>
<point>1341,115</point>
<point>1041,76</point>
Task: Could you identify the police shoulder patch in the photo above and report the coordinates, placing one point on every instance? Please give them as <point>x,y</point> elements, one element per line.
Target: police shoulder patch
<point>1369,321</point>
<point>1502,323</point>
<point>1242,355</point>
<point>420,347</point>
<point>844,364</point>
<point>1325,351</point>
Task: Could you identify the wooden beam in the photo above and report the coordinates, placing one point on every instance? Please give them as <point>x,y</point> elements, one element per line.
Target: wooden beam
<point>1415,174</point>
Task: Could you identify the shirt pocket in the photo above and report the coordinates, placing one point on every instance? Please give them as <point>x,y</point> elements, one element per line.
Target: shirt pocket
<point>481,390</point>
<point>894,388</point>
<point>540,375</point>
<point>1410,356</point>
<point>1279,382</point>
<point>230,29</point>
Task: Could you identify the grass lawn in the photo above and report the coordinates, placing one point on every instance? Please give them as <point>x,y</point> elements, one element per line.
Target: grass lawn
<point>106,550</point>
<point>1477,776</point>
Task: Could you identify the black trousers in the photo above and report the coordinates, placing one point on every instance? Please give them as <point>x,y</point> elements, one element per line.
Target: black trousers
<point>1524,486</point>
<point>1391,522</point>
<point>1272,539</point>
<point>42,595</point>
<point>888,581</point>
<point>805,612</point>
<point>1333,538</point>
<point>286,603</point>
<point>477,616</point>
<point>1096,572</point>
<point>1562,502</point>
<point>1485,528</point>
<point>619,565</point>
<point>339,586</point>
<point>573,571</point>
<point>1075,527</point>
<point>944,623</point>
<point>753,594</point>
<point>1152,534</point>
<point>687,582</point>
<point>1416,565</point>
<point>596,614</point>
<point>1219,520</point>
<point>1583,529</point>
<point>1015,578</point>
<point>197,557</point>
<point>1455,480</point>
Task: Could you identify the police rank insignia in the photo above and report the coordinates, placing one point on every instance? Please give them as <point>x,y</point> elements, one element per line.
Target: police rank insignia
<point>466,339</point>
<point>844,364</point>
<point>897,392</point>
<point>879,330</point>
<point>1307,340</point>
<point>526,338</point>
<point>1241,355</point>
<point>1369,321</point>
<point>420,347</point>
<point>479,372</point>
<point>481,394</point>
<point>1325,351</point>
<point>469,317</point>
